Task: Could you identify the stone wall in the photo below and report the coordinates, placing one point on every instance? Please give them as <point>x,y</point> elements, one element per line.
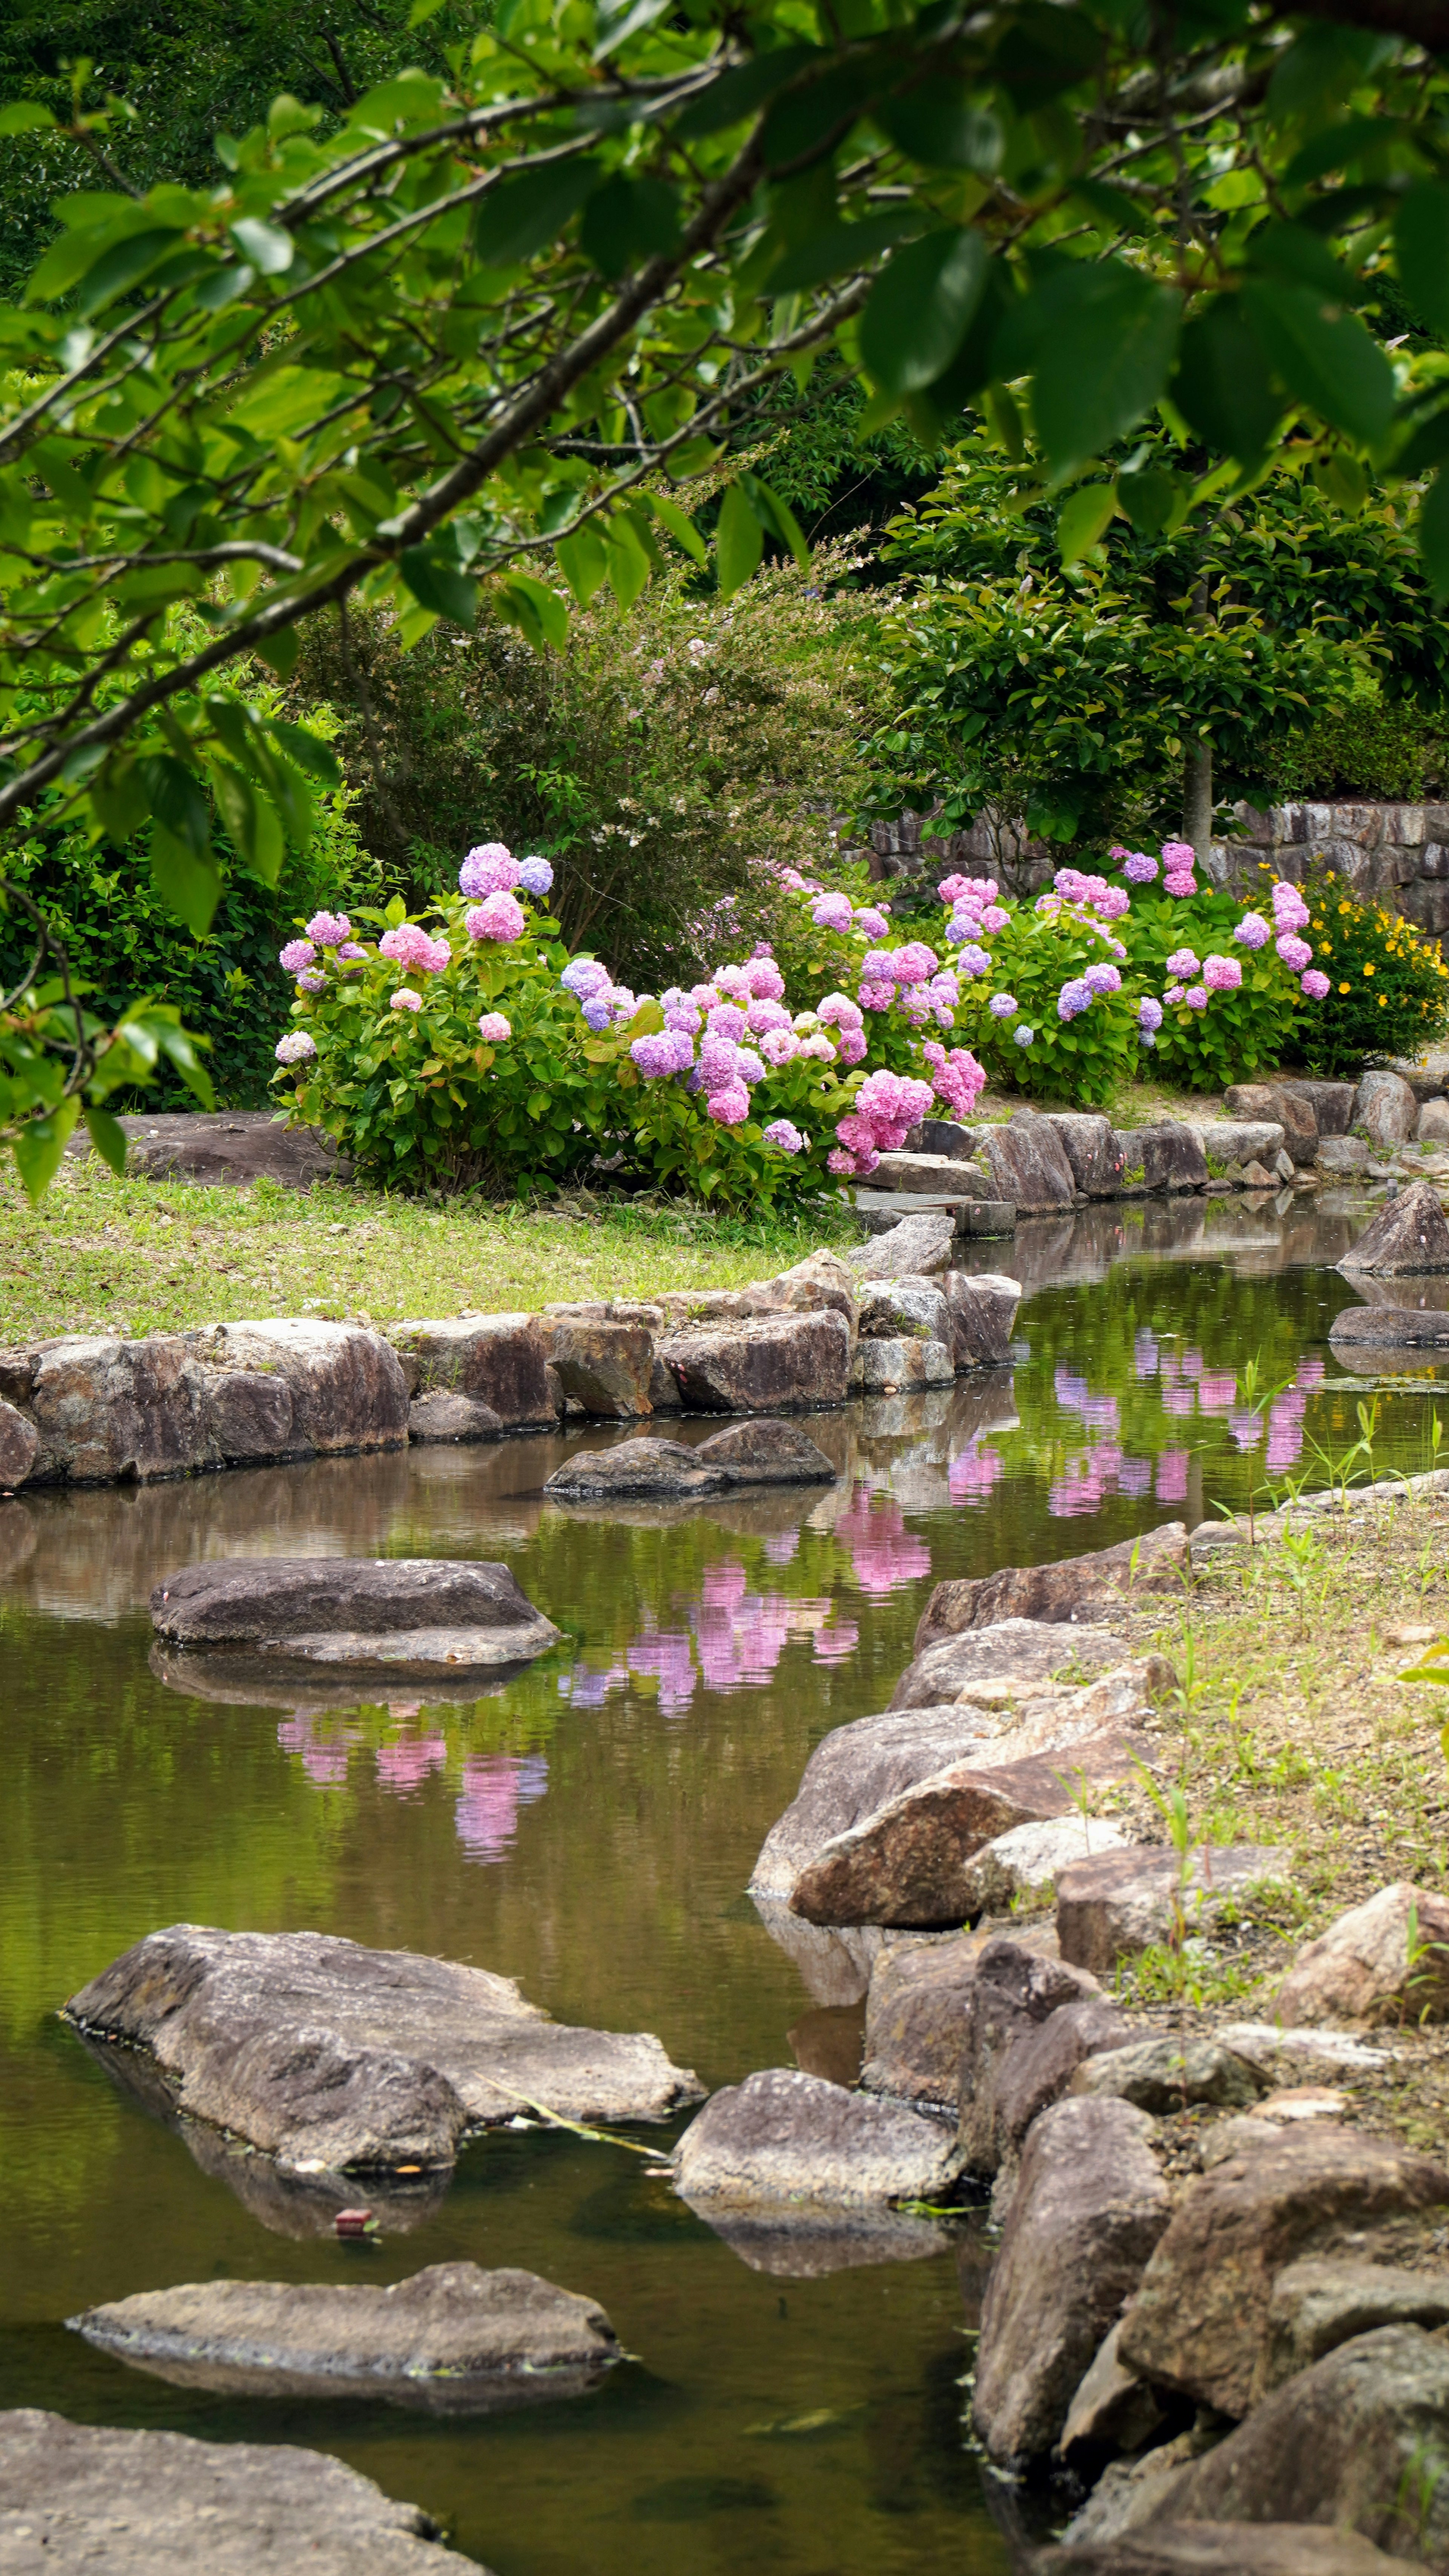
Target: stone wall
<point>1399,854</point>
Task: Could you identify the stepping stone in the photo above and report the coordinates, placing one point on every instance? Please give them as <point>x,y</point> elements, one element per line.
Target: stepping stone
<point>332,2057</point>
<point>453,2339</point>
<point>749,1454</point>
<point>414,1616</point>
<point>792,2142</point>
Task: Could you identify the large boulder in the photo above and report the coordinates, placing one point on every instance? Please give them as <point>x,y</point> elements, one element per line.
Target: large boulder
<point>854,1771</point>
<point>453,2338</point>
<point>89,2500</point>
<point>1238,1141</point>
<point>898,1309</point>
<point>1020,1868</point>
<point>1410,1234</point>
<point>323,2053</point>
<point>1090,2205</point>
<point>1344,1158</point>
<point>1221,2549</point>
<point>918,1247</point>
<point>19,1447</point>
<point>907,1863</point>
<point>940,1176</point>
<point>1027,1161</point>
<point>982,1307</point>
<point>499,1360</point>
<point>1171,2074</point>
<point>1384,1961</point>
<point>413,1615</point>
<point>1023,2045</point>
<point>1115,1904</point>
<point>1199,2322</point>
<point>896,1367</point>
<point>1159,1159</point>
<point>795,2141</point>
<point>1390,1328</point>
<point>1331,1102</point>
<point>766,1364</point>
<point>1385,1109</point>
<point>1093,1151</point>
<point>1433,1126</point>
<point>914,2018</point>
<point>1359,2441</point>
<point>1324,2301</point>
<point>603,1365</point>
<point>749,1454</point>
<point>1011,1650</point>
<point>1093,1586</point>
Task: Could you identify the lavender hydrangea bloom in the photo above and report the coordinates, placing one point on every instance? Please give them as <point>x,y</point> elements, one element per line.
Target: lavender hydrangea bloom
<point>1102,979</point>
<point>660,1054</point>
<point>1294,952</point>
<point>785,1137</point>
<point>1002,1005</point>
<point>1253,931</point>
<point>1138,868</point>
<point>585,977</point>
<point>973,961</point>
<point>535,876</point>
<point>1196,997</point>
<point>748,1065</point>
<point>1149,1014</point>
<point>1146,1038</point>
<point>329,929</point>
<point>1074,998</point>
<point>312,980</point>
<point>487,869</point>
<point>598,1014</point>
<point>1024,1036</point>
<point>1182,963</point>
<point>297,954</point>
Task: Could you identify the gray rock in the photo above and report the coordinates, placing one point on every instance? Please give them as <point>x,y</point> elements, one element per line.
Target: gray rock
<point>1344,1156</point>
<point>855,1770</point>
<point>1331,1102</point>
<point>1228,1142</point>
<point>1156,1160</point>
<point>772,1364</point>
<point>940,1175</point>
<point>454,2339</point>
<point>441,1415</point>
<point>1022,1867</point>
<point>784,2139</point>
<point>895,1309</point>
<point>809,2244</point>
<point>1090,2206</point>
<point>947,1136</point>
<point>1113,2410</point>
<point>749,1454</point>
<point>906,1864</point>
<point>1021,1648</point>
<point>914,2018</point>
<point>1362,1967</point>
<point>1320,2303</point>
<point>19,1447</point>
<point>1118,1903</point>
<point>414,1615</point>
<point>1199,2322</point>
<point>1093,1151</point>
<point>1361,2440</point>
<point>1016,1989</point>
<point>982,1307</point>
<point>1385,1110</point>
<point>894,1367</point>
<point>1027,1161</point>
<point>1388,1328</point>
<point>1410,1234</point>
<point>1098,1583</point>
<point>1433,1123</point>
<point>1165,2075</point>
<point>500,1360</point>
<point>230,1146</point>
<point>331,2057</point>
<point>1221,2549</point>
<point>919,1247</point>
<point>605,1366</point>
<point>87,2500</point>
<point>1035,2071</point>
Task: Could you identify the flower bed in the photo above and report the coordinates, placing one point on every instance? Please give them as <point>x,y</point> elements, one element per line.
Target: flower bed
<point>472,1048</point>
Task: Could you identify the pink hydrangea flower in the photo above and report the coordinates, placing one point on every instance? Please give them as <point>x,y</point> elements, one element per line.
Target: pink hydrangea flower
<point>877,997</point>
<point>779,1046</point>
<point>499,917</point>
<point>766,1015</point>
<point>405,999</point>
<point>785,1137</point>
<point>489,869</point>
<point>729,1106</point>
<point>876,967</point>
<point>763,979</point>
<point>312,980</point>
<point>871,922</point>
<point>841,1163</point>
<point>295,1047</point>
<point>915,963</point>
<point>718,1059</point>
<point>1253,931</point>
<point>663,1052</point>
<point>1289,909</point>
<point>1196,997</point>
<point>818,1045</point>
<point>952,888</point>
<point>1221,974</point>
<point>850,1045</point>
<point>1295,952</point>
<point>297,954</point>
<point>994,919</point>
<point>409,945</point>
<point>956,1078</point>
<point>838,1007</point>
<point>1173,993</point>
<point>1178,857</point>
<point>329,929</point>
<point>495,1028</point>
<point>1316,985</point>
<point>1183,962</point>
<point>832,912</point>
<point>727,1020</point>
<point>685,1016</point>
<point>1179,887</point>
<point>1111,905</point>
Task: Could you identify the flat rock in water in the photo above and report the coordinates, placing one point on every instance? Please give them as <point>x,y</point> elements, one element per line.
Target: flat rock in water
<point>501,1361</point>
<point>453,2339</point>
<point>1118,1903</point>
<point>1359,2440</point>
<point>898,1367</point>
<point>1222,2549</point>
<point>807,2245</point>
<point>330,2056</point>
<point>1199,2322</point>
<point>748,1454</point>
<point>1100,1582</point>
<point>915,2015</point>
<point>412,1615</point>
<point>1410,1234</point>
<point>1014,1650</point>
<point>982,1306</point>
<point>87,2500</point>
<point>1409,1328</point>
<point>893,1309</point>
<point>794,2140</point>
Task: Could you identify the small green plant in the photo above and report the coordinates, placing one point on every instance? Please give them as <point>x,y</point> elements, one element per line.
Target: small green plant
<point>1306,1570</point>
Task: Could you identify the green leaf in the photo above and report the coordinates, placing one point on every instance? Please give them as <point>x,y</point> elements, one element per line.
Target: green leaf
<point>682,530</point>
<point>739,542</point>
<point>279,651</point>
<point>818,115</point>
<point>582,561</point>
<point>1044,50</point>
<point>38,1147</point>
<point>437,584</point>
<point>270,250</point>
<point>250,822</point>
<point>1082,518</point>
<point>308,750</point>
<point>190,887</point>
<point>629,565</point>
<point>940,124</point>
<point>777,517</point>
<point>737,94</point>
<point>1319,69</point>
<point>25,116</point>
<point>838,250</point>
<point>1223,387</point>
<point>627,221</point>
<point>524,214</point>
<point>1149,498</point>
<point>119,800</point>
<point>550,611</point>
<point>1434,536</point>
<point>1324,356</point>
<point>920,308</point>
<point>178,801</point>
<point>1103,356</point>
<point>123,266</point>
<point>1295,252</point>
<point>108,1137</point>
<point>1421,242</point>
<point>617,25</point>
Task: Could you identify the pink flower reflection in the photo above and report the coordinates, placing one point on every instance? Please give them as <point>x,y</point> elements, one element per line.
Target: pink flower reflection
<point>1192,1364</point>
<point>1245,1426</point>
<point>1134,1476</point>
<point>1216,1393</point>
<point>1310,1373</point>
<point>324,1758</point>
<point>1178,1399</point>
<point>1144,1355</point>
<point>403,1767</point>
<point>495,1786</point>
<point>836,1644</point>
<point>782,1547</point>
<point>973,1475</point>
<point>1172,1466</point>
<point>883,1554</point>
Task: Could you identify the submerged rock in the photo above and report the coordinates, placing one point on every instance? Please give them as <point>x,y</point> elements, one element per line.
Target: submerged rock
<point>795,2141</point>
<point>415,1616</point>
<point>1406,1328</point>
<point>748,1454</point>
<point>1221,2549</point>
<point>806,2245</point>
<point>1409,1235</point>
<point>94,2501</point>
<point>982,1306</point>
<point>19,1447</point>
<point>452,2338</point>
<point>327,2055</point>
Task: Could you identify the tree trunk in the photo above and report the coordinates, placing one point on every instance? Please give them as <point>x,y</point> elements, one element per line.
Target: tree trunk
<point>1197,799</point>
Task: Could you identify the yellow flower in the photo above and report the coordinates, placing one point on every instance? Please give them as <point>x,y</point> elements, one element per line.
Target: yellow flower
<point>1368,970</point>
<point>1383,997</point>
<point>1343,988</point>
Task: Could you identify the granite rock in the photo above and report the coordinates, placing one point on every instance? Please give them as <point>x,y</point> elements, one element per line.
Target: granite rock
<point>786,2139</point>
<point>1017,1988</point>
<point>1027,1162</point>
<point>1093,1151</point>
<point>1094,1585</point>
<point>605,1366</point>
<point>500,1360</point>
<point>19,1447</point>
<point>413,1615</point>
<point>915,2016</point>
<point>1433,1123</point>
<point>1160,1159</point>
<point>1390,1328</point>
<point>894,1367</point>
<point>1361,1969</point>
<point>1011,1647</point>
<point>1344,1157</point>
<point>1385,1110</point>
<point>1409,1235</point>
<point>919,1247</point>
<point>1322,2302</point>
<point>1022,1866</point>
<point>749,1454</point>
<point>1166,2075</point>
<point>1119,1903</point>
<point>982,1307</point>
<point>441,1414</point>
<point>771,1364</point>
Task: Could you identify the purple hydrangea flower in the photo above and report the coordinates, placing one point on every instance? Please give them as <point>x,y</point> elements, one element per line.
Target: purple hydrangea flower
<point>1295,952</point>
<point>535,876</point>
<point>1253,931</point>
<point>1138,868</point>
<point>832,912</point>
<point>1074,998</point>
<point>297,954</point>
<point>1196,997</point>
<point>1102,979</point>
<point>312,980</point>
<point>598,1014</point>
<point>748,1065</point>
<point>667,1051</point>
<point>585,977</point>
<point>1182,963</point>
<point>973,961</point>
<point>1149,1014</point>
<point>785,1138</point>
<point>1146,1038</point>
<point>1002,1005</point>
<point>1024,1036</point>
<point>329,929</point>
<point>488,869</point>
<point>1316,985</point>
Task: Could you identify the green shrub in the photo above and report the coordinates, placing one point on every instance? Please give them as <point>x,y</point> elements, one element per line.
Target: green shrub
<point>1370,747</point>
<point>1389,987</point>
<point>1082,1059</point>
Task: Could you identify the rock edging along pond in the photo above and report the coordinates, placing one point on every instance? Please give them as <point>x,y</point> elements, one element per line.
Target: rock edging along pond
<point>94,1409</point>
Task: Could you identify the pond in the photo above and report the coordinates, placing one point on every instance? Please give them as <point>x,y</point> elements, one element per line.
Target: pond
<point>590,1829</point>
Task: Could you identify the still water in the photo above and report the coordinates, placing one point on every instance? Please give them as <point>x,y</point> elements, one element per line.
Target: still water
<point>590,1830</point>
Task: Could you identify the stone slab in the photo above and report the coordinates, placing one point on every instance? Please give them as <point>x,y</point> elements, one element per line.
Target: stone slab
<point>791,2140</point>
<point>412,1615</point>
